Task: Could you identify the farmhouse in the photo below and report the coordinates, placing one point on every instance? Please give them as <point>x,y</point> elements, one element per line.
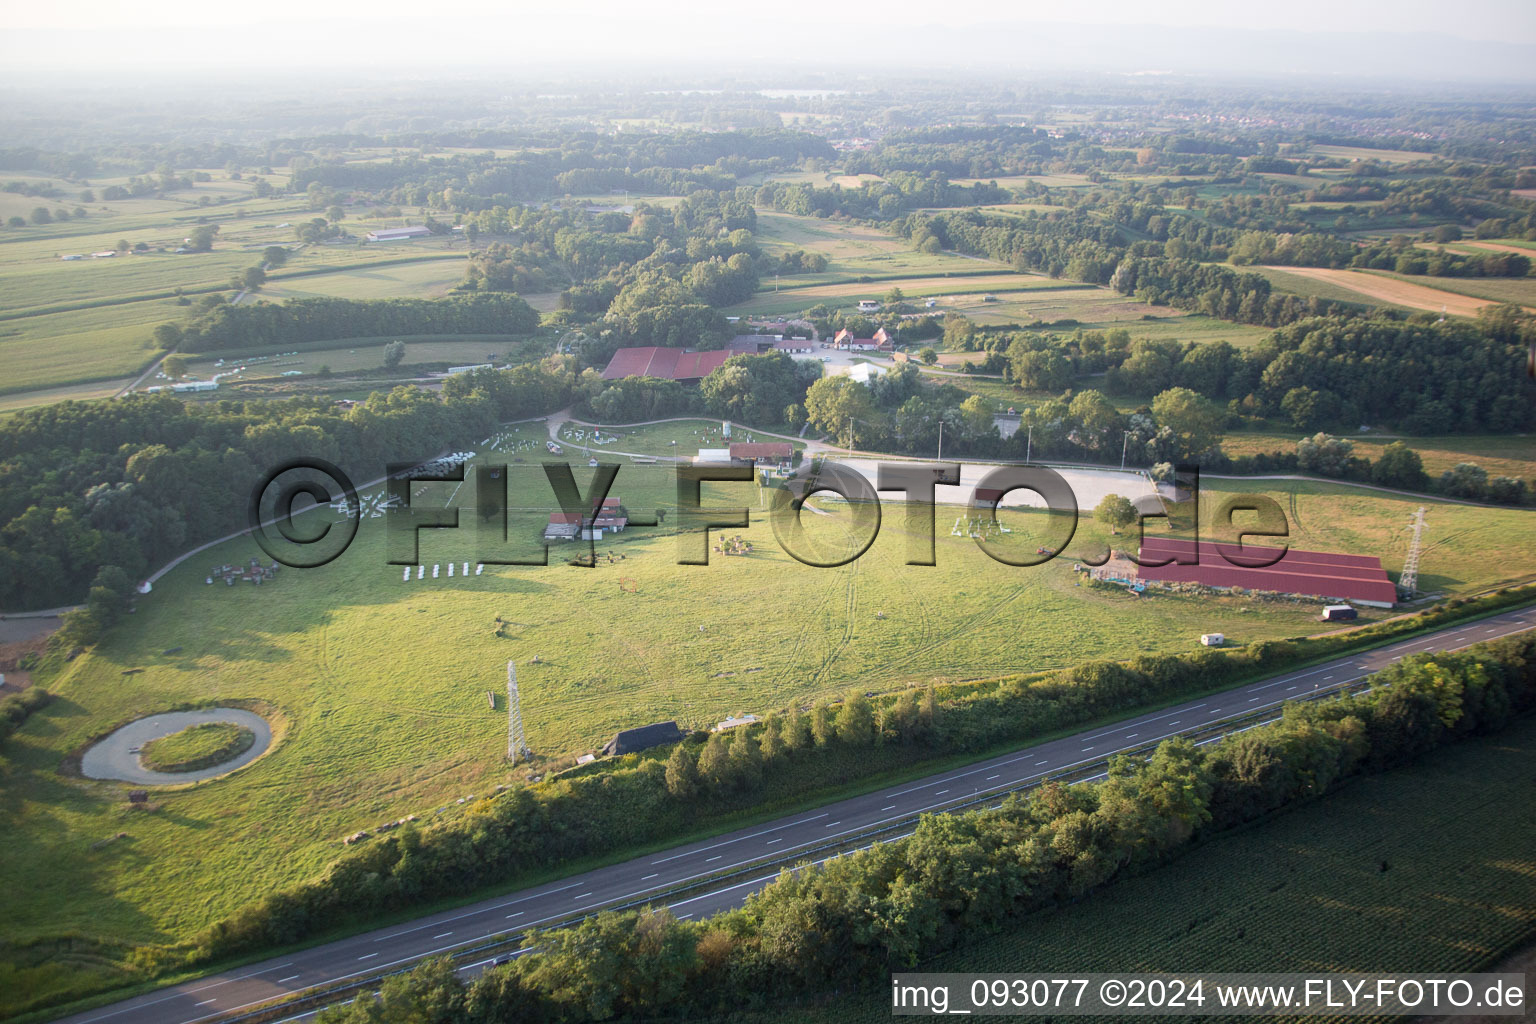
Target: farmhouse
<point>397,234</point>
<point>681,365</point>
<point>762,451</point>
<point>869,305</point>
<point>845,339</point>
<point>629,741</point>
<point>1357,578</point>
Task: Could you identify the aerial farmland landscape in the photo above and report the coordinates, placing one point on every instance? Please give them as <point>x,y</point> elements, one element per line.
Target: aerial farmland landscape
<point>623,514</point>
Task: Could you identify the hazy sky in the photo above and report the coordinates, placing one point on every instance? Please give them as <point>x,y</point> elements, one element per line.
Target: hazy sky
<point>165,35</point>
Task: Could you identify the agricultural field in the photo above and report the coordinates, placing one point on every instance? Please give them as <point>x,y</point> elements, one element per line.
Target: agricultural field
<point>1397,872</point>
<point>73,322</point>
<point>1519,290</point>
<point>381,682</point>
<point>349,355</point>
<point>953,291</point>
<point>1373,287</point>
<point>1500,456</point>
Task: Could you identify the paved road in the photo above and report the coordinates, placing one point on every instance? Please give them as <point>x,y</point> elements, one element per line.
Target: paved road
<point>635,879</point>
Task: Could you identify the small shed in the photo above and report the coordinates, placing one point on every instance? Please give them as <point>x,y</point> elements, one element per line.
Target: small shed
<point>1338,613</point>
<point>1213,639</point>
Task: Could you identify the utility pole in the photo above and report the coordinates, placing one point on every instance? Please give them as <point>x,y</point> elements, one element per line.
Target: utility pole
<point>1029,442</point>
<point>1123,445</point>
<point>941,439</point>
<point>517,741</point>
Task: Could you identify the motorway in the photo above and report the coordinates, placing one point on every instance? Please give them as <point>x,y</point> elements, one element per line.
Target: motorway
<point>884,811</point>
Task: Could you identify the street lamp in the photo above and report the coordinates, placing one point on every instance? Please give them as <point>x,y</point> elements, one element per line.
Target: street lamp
<point>1123,445</point>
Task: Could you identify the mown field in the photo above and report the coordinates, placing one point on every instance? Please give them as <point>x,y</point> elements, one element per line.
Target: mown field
<point>1500,456</point>
<point>1420,870</point>
<point>382,682</point>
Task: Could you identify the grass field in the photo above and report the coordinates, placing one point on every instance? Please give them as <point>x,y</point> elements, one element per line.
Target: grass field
<point>1419,870</point>
<point>1500,456</point>
<point>383,682</point>
<point>1519,290</point>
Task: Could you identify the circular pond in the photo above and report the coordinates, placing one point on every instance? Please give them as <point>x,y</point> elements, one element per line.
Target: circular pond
<point>116,756</point>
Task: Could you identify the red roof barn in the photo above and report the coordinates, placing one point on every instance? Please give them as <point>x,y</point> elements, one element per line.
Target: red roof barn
<point>1358,578</point>
<point>665,363</point>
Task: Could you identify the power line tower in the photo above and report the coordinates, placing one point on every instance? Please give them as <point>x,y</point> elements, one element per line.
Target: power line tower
<point>1408,580</point>
<point>517,740</point>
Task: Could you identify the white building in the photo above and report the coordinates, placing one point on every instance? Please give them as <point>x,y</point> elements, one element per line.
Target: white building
<point>397,234</point>
<point>196,385</point>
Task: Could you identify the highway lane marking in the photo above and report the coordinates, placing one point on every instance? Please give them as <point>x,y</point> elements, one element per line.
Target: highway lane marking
<point>442,936</point>
<point>365,956</point>
<point>890,808</point>
<point>941,792</point>
<point>1173,723</point>
<point>1143,721</point>
<point>714,858</point>
<point>205,1002</point>
<point>991,777</point>
<point>291,977</point>
<point>583,896</point>
<point>1132,735</point>
<point>1086,749</point>
<point>478,910</point>
<point>650,876</point>
<point>728,842</point>
<point>835,823</point>
<point>191,991</point>
<point>511,916</point>
<point>1046,761</point>
<point>768,843</point>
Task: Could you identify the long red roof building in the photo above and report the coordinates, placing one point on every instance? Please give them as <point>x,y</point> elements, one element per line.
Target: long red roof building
<point>1358,578</point>
<point>666,363</point>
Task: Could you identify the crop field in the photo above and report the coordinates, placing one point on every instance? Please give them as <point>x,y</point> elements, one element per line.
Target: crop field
<point>1386,156</point>
<point>1399,872</point>
<point>381,682</point>
<point>1500,456</point>
<point>1366,286</point>
<point>1519,290</point>
<point>957,291</point>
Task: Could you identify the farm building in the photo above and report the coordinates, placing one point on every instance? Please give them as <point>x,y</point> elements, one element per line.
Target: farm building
<point>563,526</point>
<point>735,721</point>
<point>763,451</point>
<point>1338,613</point>
<point>630,741</point>
<point>397,234</point>
<point>845,339</point>
<point>196,385</point>
<point>793,346</point>
<point>869,305</point>
<point>452,370</point>
<point>1357,578</point>
<point>676,364</point>
<point>752,344</point>
<point>609,517</point>
<point>713,455</point>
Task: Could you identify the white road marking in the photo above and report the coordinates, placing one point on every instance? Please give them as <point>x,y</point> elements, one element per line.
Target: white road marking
<point>291,977</point>
<point>365,956</point>
<point>583,896</point>
<point>716,857</point>
<point>890,808</point>
<point>511,916</point>
<point>442,936</point>
<point>648,877</point>
<point>991,777</point>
